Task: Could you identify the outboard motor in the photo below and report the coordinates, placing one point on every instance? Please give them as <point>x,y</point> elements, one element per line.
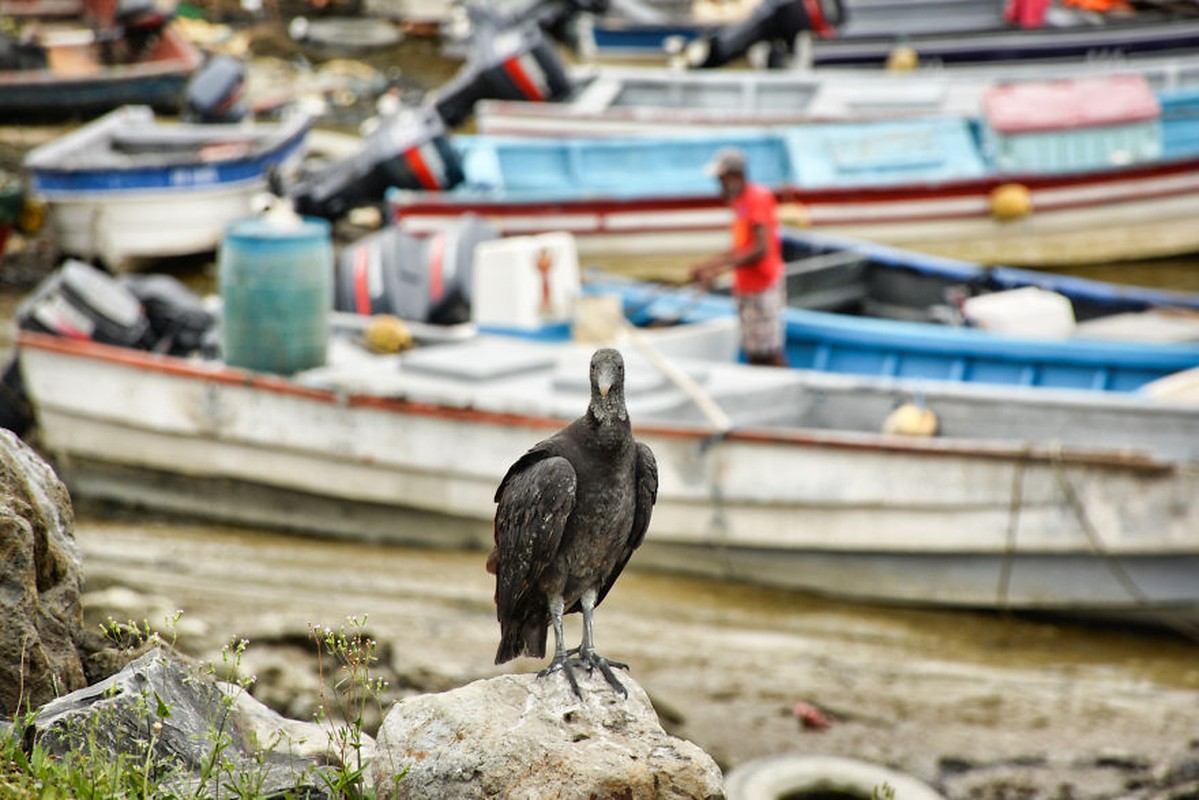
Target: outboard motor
<point>557,17</point>
<point>554,17</point>
<point>515,63</point>
<point>141,21</point>
<point>409,150</point>
<point>424,279</point>
<point>140,13</point>
<point>179,322</point>
<point>776,22</point>
<point>214,94</point>
<point>15,54</point>
<point>80,301</point>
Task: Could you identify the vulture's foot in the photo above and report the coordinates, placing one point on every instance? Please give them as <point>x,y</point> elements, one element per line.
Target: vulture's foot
<point>592,661</point>
<point>562,664</point>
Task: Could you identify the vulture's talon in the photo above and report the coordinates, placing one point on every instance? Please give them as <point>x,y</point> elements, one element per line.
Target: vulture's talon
<point>562,664</point>
<point>593,660</point>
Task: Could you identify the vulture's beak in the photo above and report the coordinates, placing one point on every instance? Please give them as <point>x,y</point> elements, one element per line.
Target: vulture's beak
<point>604,382</point>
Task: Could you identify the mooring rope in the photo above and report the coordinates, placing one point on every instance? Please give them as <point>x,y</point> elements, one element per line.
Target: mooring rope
<point>1009,548</point>
<point>1182,626</point>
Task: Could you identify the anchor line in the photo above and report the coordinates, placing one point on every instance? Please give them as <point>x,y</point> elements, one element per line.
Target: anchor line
<point>1015,505</point>
<point>1182,626</point>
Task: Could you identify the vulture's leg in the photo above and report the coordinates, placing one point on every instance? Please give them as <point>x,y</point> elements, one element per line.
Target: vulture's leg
<point>559,662</point>
<point>587,652</point>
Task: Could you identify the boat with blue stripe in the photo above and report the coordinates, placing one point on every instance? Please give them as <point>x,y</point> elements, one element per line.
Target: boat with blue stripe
<point>128,186</point>
<point>1107,170</point>
<point>837,287</point>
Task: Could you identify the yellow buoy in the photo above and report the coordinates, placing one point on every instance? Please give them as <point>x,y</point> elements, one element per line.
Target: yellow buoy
<point>902,59</point>
<point>911,419</point>
<point>386,333</point>
<point>794,215</point>
<point>31,217</point>
<point>1011,201</point>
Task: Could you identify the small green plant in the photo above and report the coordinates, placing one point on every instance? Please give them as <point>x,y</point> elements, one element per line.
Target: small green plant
<point>132,635</point>
<point>89,768</point>
<point>352,652</point>
<point>883,791</point>
<point>93,768</point>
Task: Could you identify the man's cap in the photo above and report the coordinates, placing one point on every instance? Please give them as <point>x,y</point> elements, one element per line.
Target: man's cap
<point>729,159</point>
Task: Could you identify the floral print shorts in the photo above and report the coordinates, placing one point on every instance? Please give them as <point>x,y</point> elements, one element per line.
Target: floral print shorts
<point>761,317</point>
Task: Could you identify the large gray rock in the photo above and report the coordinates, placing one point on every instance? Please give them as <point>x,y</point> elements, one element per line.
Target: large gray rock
<point>522,737</point>
<point>198,733</point>
<point>40,582</point>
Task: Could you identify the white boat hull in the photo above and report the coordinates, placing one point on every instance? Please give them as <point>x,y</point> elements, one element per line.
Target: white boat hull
<point>128,186</point>
<point>621,100</point>
<point>122,228</point>
<point>862,515</point>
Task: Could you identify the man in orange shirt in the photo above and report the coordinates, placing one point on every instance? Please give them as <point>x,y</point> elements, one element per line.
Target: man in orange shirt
<point>755,258</point>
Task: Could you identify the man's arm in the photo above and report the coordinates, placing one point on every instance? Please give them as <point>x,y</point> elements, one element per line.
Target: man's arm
<point>706,272</point>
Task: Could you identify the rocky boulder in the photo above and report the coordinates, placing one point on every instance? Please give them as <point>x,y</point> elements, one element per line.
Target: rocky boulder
<point>40,582</point>
<point>520,736</point>
<point>196,733</point>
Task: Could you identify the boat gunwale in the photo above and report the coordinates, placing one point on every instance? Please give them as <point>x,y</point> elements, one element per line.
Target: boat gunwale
<point>1022,452</point>
<point>453,202</point>
<point>276,143</point>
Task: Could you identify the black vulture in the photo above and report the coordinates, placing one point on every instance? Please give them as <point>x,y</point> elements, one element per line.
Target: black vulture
<point>570,513</point>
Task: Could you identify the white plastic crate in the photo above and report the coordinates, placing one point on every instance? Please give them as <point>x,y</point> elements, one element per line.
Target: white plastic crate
<point>525,281</point>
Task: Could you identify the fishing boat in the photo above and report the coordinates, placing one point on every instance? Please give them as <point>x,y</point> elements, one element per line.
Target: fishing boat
<point>868,34</point>
<point>1057,500</point>
<point>629,99</point>
<point>826,272</point>
<point>80,67</point>
<point>1042,344</point>
<point>855,307</point>
<point>128,187</point>
<point>1159,32</point>
<point>1053,173</point>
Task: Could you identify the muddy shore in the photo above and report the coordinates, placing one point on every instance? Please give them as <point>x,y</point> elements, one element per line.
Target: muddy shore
<point>981,706</point>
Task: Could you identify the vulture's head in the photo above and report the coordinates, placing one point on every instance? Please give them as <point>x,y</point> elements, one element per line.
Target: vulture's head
<point>607,385</point>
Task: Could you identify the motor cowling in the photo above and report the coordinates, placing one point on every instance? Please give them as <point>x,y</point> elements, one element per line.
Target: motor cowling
<point>409,150</point>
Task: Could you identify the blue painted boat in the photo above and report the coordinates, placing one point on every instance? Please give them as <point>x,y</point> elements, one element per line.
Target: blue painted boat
<point>127,186</point>
<point>1090,170</point>
<point>855,344</point>
<point>838,273</point>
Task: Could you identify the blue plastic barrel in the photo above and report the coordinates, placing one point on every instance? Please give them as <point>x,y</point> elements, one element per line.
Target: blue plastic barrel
<point>276,282</point>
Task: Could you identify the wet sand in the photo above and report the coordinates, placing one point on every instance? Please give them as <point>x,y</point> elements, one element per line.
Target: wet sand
<point>963,699</point>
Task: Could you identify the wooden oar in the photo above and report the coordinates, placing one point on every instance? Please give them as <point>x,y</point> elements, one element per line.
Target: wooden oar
<point>611,319</point>
<point>707,406</point>
<point>698,293</point>
<point>822,261</point>
<point>801,266</point>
